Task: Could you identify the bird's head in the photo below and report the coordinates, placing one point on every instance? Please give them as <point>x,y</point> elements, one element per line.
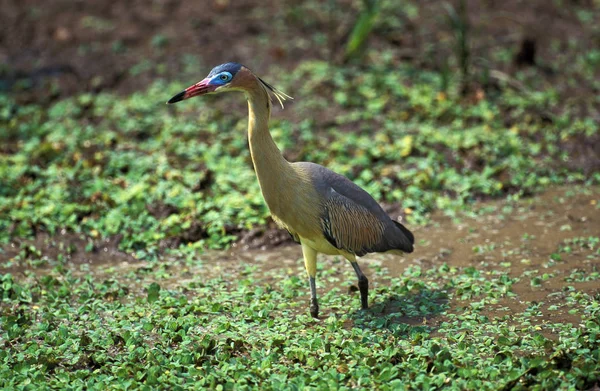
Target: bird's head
<point>230,76</point>
<point>221,78</point>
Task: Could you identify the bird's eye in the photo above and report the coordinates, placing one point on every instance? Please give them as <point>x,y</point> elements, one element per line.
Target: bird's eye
<point>224,77</point>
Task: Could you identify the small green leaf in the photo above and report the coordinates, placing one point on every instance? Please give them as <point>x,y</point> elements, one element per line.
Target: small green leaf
<point>153,292</point>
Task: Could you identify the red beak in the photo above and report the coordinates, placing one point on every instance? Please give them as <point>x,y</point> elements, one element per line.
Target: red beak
<point>200,88</point>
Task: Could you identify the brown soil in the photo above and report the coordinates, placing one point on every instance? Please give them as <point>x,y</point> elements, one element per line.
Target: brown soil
<point>124,45</point>
<point>74,249</point>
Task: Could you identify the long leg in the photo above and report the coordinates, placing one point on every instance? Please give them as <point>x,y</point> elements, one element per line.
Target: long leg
<point>363,282</point>
<point>310,262</point>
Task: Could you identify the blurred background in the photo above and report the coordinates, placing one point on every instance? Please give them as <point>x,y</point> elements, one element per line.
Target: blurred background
<point>430,105</point>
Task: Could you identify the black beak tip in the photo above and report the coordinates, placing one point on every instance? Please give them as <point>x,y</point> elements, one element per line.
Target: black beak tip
<point>176,98</point>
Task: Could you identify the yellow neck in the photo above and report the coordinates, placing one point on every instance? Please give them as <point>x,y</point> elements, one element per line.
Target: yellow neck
<point>286,188</point>
<point>273,171</point>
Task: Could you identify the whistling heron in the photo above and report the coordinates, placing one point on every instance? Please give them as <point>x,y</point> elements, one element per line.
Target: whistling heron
<point>323,211</point>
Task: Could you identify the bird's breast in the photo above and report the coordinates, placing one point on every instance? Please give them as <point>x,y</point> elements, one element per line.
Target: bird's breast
<point>297,209</point>
<point>298,219</point>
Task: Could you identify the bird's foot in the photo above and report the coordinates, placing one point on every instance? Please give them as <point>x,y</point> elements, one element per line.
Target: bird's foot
<point>314,308</point>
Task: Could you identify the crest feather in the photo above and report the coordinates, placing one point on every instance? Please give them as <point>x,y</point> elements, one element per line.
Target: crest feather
<point>280,95</point>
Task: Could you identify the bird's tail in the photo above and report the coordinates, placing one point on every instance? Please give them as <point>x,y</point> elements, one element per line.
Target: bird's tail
<point>407,247</point>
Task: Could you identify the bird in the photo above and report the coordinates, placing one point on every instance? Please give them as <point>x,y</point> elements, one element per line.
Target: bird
<point>325,212</point>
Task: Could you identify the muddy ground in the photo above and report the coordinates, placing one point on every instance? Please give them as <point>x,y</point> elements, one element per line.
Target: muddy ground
<point>547,241</point>
<point>523,237</point>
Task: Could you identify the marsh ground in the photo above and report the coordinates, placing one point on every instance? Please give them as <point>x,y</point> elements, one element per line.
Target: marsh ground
<point>504,298</point>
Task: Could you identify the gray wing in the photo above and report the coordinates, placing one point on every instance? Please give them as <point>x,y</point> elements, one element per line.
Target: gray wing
<point>350,226</point>
<point>352,220</point>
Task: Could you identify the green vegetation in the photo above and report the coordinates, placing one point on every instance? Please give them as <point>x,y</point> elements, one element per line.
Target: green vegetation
<point>362,28</point>
<point>72,329</point>
<point>103,165</point>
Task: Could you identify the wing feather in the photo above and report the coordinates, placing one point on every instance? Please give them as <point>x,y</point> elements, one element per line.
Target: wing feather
<point>350,226</point>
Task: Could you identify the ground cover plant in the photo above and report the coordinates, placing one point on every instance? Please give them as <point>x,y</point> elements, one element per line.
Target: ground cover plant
<point>513,315</point>
<point>116,211</point>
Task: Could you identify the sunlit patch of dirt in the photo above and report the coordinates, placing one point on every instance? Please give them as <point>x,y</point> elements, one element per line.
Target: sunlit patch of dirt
<point>523,239</point>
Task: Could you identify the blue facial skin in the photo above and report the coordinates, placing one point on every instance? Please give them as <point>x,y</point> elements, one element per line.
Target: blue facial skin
<point>221,79</point>
<point>222,74</point>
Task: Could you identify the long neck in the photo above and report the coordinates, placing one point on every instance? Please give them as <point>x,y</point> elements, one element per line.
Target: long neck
<point>272,170</point>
